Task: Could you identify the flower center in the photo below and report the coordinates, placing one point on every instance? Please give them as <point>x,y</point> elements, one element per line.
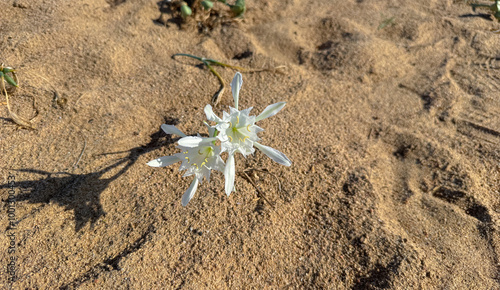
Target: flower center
<point>238,133</point>
<point>200,157</point>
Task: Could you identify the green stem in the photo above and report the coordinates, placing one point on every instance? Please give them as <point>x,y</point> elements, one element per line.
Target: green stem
<point>188,55</point>
<point>215,62</point>
<point>215,135</point>
<point>209,62</point>
<point>215,73</point>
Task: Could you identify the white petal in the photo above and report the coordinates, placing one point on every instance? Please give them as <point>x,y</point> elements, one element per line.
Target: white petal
<point>187,167</point>
<point>232,111</point>
<point>225,146</point>
<point>163,161</point>
<point>215,163</point>
<point>219,164</point>
<point>171,129</point>
<point>211,129</point>
<point>246,111</point>
<point>206,141</point>
<point>190,192</point>
<point>246,150</point>
<point>257,129</point>
<point>235,87</point>
<point>221,127</point>
<point>190,141</point>
<point>274,154</point>
<point>229,174</point>
<point>211,116</point>
<point>270,110</point>
<point>190,171</point>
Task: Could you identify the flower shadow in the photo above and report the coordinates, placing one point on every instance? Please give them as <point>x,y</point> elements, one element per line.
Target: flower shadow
<point>81,192</point>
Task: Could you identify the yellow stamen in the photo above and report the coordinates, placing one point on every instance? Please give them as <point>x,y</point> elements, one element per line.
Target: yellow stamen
<point>230,124</point>
<point>230,138</point>
<point>248,128</point>
<point>203,163</point>
<point>187,158</point>
<point>237,120</point>
<point>194,164</point>
<point>206,159</point>
<point>243,139</point>
<point>200,152</point>
<point>185,152</point>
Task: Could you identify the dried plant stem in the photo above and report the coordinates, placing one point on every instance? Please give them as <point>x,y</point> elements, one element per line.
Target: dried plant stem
<point>216,97</point>
<point>266,171</point>
<point>209,62</point>
<point>57,97</point>
<point>259,191</point>
<point>81,153</point>
<point>18,120</point>
<point>239,68</point>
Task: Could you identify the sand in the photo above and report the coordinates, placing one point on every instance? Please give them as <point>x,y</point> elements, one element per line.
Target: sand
<point>393,132</point>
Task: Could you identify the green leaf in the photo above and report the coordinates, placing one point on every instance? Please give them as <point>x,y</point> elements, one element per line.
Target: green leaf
<point>10,80</point>
<point>8,69</point>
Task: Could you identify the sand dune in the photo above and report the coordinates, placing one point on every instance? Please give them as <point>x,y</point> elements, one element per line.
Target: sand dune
<point>393,131</point>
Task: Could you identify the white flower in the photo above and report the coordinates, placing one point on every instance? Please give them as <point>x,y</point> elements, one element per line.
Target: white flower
<point>238,132</point>
<point>199,156</point>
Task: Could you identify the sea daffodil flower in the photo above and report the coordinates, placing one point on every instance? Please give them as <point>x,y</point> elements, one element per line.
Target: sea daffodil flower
<point>238,133</point>
<point>198,158</point>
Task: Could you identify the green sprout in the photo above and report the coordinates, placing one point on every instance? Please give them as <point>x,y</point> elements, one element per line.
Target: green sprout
<point>8,74</point>
<point>386,22</point>
<point>495,8</point>
<point>207,5</point>
<point>238,8</point>
<point>185,10</point>
<point>4,73</point>
<point>209,63</point>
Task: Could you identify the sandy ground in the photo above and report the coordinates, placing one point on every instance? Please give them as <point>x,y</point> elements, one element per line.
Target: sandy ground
<point>394,135</point>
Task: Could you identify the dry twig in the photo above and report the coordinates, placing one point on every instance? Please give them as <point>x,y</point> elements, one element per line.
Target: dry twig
<point>252,182</point>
